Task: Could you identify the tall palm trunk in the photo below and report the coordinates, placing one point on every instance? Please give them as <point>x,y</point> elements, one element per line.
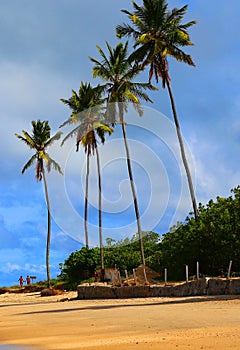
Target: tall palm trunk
<point>139,229</point>
<point>184,159</point>
<point>86,203</point>
<point>100,214</point>
<point>48,229</point>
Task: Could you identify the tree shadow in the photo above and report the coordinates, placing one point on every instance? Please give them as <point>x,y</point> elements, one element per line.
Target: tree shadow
<point>186,300</point>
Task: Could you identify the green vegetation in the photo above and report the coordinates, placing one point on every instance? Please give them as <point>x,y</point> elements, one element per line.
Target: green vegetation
<point>124,254</point>
<point>213,239</point>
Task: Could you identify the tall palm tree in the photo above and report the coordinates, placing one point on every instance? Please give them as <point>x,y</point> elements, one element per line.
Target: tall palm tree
<point>40,140</point>
<point>119,76</point>
<point>159,33</point>
<point>87,113</point>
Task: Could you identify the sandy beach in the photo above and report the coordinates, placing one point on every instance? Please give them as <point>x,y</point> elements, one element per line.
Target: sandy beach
<point>55,322</point>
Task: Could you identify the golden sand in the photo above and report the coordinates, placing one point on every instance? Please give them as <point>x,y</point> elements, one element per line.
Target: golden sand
<point>150,323</point>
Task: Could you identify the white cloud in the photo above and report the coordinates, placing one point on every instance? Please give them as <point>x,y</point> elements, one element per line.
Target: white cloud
<point>10,268</point>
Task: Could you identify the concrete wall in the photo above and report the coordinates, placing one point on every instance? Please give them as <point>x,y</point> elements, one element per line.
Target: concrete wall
<point>205,286</point>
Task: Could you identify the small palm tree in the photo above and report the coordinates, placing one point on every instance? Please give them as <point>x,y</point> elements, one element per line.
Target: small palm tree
<point>87,113</point>
<point>159,33</point>
<point>119,76</point>
<point>40,140</point>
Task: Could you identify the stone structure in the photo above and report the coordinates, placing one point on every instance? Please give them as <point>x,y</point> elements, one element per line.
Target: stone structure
<point>204,286</point>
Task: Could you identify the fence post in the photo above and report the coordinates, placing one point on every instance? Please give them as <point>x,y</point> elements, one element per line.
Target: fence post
<point>165,275</point>
<point>119,277</point>
<point>126,274</point>
<point>186,273</point>
<point>229,269</point>
<point>197,270</point>
<point>134,275</point>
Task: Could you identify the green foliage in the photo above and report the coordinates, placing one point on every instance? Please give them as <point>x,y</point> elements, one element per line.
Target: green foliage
<point>79,266</point>
<point>213,240</point>
<point>125,254</point>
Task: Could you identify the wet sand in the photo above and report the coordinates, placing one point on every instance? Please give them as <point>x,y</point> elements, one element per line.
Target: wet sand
<point>195,323</point>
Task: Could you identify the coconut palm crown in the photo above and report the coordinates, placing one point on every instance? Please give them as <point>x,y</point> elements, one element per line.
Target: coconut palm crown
<point>40,140</point>
<point>115,69</point>
<point>87,114</point>
<point>157,33</point>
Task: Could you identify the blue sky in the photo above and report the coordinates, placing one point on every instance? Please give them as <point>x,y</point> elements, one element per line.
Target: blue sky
<point>44,54</point>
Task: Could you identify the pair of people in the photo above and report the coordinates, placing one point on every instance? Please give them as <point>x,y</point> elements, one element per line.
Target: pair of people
<point>21,280</point>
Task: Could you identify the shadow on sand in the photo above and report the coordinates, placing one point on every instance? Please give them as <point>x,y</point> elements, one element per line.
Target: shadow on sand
<point>126,305</point>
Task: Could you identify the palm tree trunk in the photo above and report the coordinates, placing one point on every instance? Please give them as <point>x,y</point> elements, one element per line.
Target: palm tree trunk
<point>100,215</point>
<point>139,229</point>
<point>86,204</point>
<point>48,229</point>
<point>184,159</point>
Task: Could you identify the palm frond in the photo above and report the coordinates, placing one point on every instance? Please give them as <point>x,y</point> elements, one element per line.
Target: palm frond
<point>64,101</point>
<point>29,163</point>
<point>67,122</point>
<point>56,137</point>
<point>126,30</point>
<point>187,25</point>
<point>181,56</point>
<point>176,15</point>
<point>139,109</point>
<point>25,140</point>
<point>137,89</point>
<point>51,163</point>
<point>29,139</point>
<point>100,70</point>
<point>102,130</point>
<point>70,134</point>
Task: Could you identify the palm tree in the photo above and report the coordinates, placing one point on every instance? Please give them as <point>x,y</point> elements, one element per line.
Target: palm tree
<point>119,76</point>
<point>40,140</point>
<point>159,33</point>
<point>86,109</point>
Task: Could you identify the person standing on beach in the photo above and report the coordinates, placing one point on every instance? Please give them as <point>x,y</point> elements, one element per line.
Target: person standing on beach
<point>21,281</point>
<point>28,280</point>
